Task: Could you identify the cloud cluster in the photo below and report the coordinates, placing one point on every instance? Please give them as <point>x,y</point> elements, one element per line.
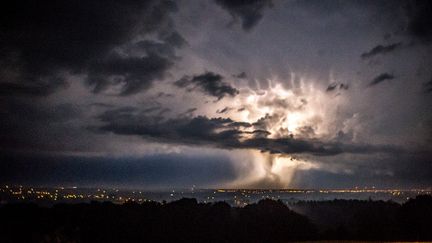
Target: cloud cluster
<point>210,83</point>
<point>43,42</point>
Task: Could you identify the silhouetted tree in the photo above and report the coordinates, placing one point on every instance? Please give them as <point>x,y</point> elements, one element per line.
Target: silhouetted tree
<point>186,220</point>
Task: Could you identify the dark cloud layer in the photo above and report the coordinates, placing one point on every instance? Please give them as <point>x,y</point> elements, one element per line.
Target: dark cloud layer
<point>419,15</point>
<point>221,133</point>
<point>42,42</point>
<point>249,12</point>
<point>209,83</point>
<point>381,50</point>
<point>34,126</point>
<point>133,73</point>
<point>34,89</point>
<point>380,78</point>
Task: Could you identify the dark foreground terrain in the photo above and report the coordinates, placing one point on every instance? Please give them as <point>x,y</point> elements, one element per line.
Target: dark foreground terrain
<point>186,220</point>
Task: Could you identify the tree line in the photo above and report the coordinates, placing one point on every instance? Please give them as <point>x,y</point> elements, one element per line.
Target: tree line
<point>186,220</point>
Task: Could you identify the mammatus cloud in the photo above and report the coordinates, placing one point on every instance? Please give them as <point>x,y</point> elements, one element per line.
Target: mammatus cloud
<point>42,43</point>
<point>249,12</point>
<point>380,78</point>
<point>209,83</point>
<point>381,50</point>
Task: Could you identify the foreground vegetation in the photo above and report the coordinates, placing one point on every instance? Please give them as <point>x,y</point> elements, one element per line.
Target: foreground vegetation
<point>186,220</point>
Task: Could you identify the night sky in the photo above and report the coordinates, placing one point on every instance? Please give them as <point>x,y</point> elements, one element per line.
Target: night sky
<point>217,93</point>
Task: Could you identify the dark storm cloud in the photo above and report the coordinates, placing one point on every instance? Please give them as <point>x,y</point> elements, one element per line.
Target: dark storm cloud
<point>164,95</point>
<point>188,112</point>
<point>224,110</point>
<point>428,86</point>
<point>102,105</point>
<point>419,15</point>
<point>133,73</point>
<point>209,83</point>
<point>155,48</point>
<point>381,50</point>
<point>32,89</point>
<point>174,39</point>
<point>335,86</point>
<point>105,43</point>
<point>331,87</point>
<point>22,111</point>
<point>291,145</point>
<point>156,110</point>
<point>241,75</point>
<point>380,78</point>
<point>41,42</point>
<point>184,129</point>
<point>343,86</point>
<point>249,12</point>
<point>259,133</point>
<point>25,125</point>
<point>222,133</point>
<point>306,131</point>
